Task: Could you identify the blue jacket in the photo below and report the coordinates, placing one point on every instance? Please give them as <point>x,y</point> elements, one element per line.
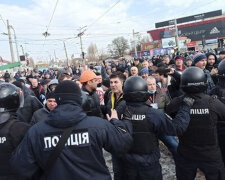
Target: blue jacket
<point>82,157</point>
<point>161,124</point>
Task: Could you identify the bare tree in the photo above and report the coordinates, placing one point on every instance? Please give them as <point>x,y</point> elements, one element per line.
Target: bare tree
<point>118,47</point>
<point>92,54</point>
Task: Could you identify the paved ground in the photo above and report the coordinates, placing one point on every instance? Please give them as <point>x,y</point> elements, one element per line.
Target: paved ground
<point>166,161</point>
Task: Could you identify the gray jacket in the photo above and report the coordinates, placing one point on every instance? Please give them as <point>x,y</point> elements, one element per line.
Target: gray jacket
<point>39,115</point>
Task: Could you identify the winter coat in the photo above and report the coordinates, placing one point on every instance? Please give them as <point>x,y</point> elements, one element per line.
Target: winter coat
<point>82,157</point>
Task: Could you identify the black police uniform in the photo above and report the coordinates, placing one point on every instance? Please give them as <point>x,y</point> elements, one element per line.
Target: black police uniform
<point>145,124</point>
<point>219,93</point>
<point>198,145</point>
<point>11,130</point>
<point>11,133</point>
<point>82,157</point>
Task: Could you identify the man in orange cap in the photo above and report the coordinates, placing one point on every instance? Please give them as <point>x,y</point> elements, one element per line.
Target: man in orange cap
<point>91,103</point>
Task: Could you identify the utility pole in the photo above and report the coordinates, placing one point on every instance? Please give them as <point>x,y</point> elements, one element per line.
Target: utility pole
<point>177,36</point>
<point>18,57</point>
<point>22,49</point>
<point>81,33</point>
<point>134,39</point>
<point>55,55</point>
<point>10,42</point>
<point>67,60</point>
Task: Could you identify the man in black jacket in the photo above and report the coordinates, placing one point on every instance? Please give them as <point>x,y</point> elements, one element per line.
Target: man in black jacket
<point>31,104</point>
<point>82,157</point>
<point>42,113</point>
<point>91,103</point>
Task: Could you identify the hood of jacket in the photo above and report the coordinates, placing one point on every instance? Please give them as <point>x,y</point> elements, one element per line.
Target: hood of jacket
<point>66,115</point>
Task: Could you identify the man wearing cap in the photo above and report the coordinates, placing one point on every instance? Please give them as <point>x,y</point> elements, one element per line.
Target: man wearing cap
<point>42,113</point>
<point>91,101</point>
<point>200,61</point>
<point>81,157</point>
<point>144,73</point>
<point>179,61</point>
<point>137,64</point>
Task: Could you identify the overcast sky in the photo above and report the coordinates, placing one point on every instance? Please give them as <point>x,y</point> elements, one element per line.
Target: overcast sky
<point>30,18</point>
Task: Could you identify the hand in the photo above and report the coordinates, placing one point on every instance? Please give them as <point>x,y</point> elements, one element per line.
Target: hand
<point>114,115</point>
<point>171,71</point>
<point>189,101</point>
<point>103,65</point>
<point>214,71</point>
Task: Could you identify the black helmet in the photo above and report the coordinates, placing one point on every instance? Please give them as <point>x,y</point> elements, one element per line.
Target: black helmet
<point>193,80</point>
<point>221,69</point>
<point>10,97</point>
<point>135,90</point>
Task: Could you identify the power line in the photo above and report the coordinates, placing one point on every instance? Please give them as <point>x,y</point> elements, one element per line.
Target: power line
<point>2,20</point>
<point>52,15</point>
<point>102,15</point>
<point>46,32</point>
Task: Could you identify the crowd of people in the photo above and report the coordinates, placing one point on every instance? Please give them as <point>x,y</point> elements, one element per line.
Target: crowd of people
<point>55,123</point>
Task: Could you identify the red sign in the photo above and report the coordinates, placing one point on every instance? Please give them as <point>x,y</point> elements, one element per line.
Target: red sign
<point>191,44</point>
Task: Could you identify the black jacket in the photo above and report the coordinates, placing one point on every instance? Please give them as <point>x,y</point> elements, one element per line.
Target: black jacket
<point>159,124</point>
<point>91,103</point>
<point>39,115</point>
<point>82,158</point>
<point>12,132</point>
<point>216,113</point>
<point>31,104</point>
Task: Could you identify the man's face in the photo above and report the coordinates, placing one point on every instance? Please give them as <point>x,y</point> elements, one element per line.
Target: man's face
<point>145,64</point>
<point>93,84</point>
<point>52,87</point>
<point>222,56</point>
<point>136,62</point>
<point>134,71</point>
<point>99,79</point>
<point>116,85</point>
<point>34,83</point>
<point>156,76</point>
<point>179,62</point>
<point>47,76</point>
<point>166,60</point>
<point>201,64</point>
<point>51,103</point>
<point>189,63</point>
<point>151,84</point>
<point>144,76</point>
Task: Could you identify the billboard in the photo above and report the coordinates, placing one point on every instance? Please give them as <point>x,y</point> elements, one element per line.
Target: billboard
<point>204,31</point>
<point>208,29</point>
<point>168,42</point>
<point>189,18</point>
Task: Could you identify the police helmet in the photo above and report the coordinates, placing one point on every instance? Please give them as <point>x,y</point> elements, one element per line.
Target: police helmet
<point>193,80</point>
<point>221,69</point>
<point>11,98</point>
<point>135,90</point>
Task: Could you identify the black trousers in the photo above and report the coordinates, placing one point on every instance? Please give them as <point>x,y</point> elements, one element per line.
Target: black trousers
<point>186,169</point>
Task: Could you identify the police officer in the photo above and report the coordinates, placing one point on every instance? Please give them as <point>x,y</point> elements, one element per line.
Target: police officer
<point>11,130</point>
<point>145,123</point>
<point>82,157</point>
<point>198,146</point>
<point>219,92</point>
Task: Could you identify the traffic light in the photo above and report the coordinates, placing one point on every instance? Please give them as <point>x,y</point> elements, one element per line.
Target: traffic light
<point>22,58</point>
<point>82,55</point>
